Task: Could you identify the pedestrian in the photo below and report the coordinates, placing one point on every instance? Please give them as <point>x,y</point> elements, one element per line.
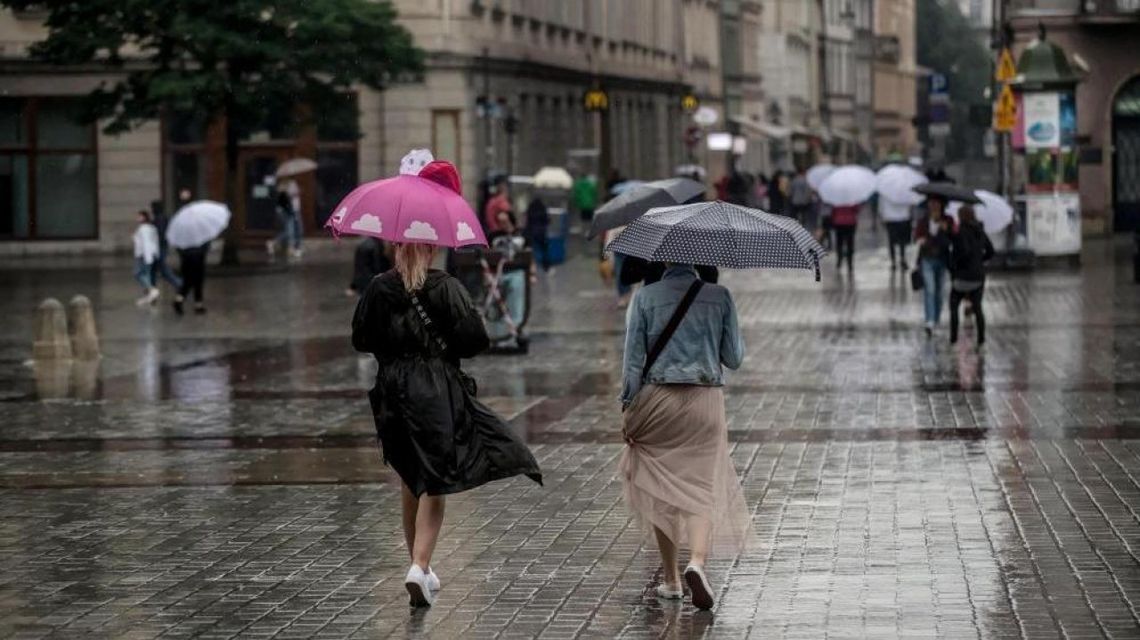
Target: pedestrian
<point>800,198</point>
<point>193,265</point>
<point>145,240</point>
<point>736,189</point>
<point>970,248</point>
<point>418,323</point>
<point>537,226</point>
<point>613,179</point>
<point>584,195</point>
<point>932,233</point>
<point>161,269</point>
<point>288,209</point>
<point>369,260</point>
<point>844,220</point>
<point>498,210</point>
<point>617,264</point>
<point>777,194</point>
<point>896,217</point>
<point>678,478</point>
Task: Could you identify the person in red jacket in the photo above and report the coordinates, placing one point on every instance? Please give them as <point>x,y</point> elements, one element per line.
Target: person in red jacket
<point>843,220</point>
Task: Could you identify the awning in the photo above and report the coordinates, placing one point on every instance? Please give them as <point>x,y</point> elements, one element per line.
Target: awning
<point>766,129</point>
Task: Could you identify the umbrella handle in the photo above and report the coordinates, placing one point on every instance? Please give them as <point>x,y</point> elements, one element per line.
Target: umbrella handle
<point>815,259</point>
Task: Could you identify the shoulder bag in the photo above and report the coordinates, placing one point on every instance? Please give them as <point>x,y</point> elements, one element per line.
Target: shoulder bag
<point>469,384</point>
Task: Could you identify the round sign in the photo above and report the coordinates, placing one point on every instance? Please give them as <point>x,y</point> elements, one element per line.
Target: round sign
<point>706,116</point>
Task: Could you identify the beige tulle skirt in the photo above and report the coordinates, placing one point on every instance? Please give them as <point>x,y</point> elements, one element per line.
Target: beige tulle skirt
<point>676,467</point>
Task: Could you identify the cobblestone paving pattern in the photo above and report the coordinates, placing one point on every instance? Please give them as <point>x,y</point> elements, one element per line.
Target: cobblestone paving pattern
<point>217,477</point>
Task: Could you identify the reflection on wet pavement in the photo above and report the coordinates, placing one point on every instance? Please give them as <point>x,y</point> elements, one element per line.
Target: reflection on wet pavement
<point>218,476</point>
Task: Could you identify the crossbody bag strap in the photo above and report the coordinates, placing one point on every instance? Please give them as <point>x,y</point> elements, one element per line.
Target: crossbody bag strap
<point>671,327</point>
<point>426,319</point>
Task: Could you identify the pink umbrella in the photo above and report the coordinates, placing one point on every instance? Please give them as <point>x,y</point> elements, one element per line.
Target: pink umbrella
<point>410,208</point>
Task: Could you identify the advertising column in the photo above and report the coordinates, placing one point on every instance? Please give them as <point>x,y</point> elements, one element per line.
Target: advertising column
<point>1052,204</point>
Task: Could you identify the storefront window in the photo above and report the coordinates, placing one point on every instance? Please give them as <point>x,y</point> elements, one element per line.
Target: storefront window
<point>336,177</point>
<point>47,180</point>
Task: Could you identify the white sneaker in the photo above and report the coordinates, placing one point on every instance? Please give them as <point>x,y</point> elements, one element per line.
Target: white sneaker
<point>432,580</point>
<point>153,296</point>
<point>416,582</point>
<point>143,301</point>
<point>665,593</point>
<point>699,587</point>
<point>271,247</point>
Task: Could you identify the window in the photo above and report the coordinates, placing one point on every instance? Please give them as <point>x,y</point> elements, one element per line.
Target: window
<point>47,170</point>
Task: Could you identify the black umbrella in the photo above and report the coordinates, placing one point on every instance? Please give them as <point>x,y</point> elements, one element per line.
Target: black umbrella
<point>720,234</point>
<point>633,203</point>
<point>947,191</point>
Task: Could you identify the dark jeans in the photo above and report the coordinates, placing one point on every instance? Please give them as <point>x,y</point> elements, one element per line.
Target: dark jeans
<point>845,245</point>
<point>193,272</point>
<point>541,247</point>
<point>975,298</point>
<point>898,235</point>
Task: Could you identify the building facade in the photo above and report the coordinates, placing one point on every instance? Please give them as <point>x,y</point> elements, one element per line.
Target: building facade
<point>1100,39</point>
<point>895,77</point>
<point>503,91</point>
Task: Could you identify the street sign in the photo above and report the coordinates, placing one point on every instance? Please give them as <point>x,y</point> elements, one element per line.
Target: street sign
<point>706,116</point>
<point>689,103</point>
<point>596,100</point>
<point>1005,67</point>
<point>1005,111</point>
<point>939,84</point>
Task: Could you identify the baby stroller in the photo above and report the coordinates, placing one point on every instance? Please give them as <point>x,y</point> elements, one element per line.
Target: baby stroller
<point>498,280</point>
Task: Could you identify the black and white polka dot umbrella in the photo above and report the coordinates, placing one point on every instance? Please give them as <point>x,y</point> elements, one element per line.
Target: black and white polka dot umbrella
<point>720,234</point>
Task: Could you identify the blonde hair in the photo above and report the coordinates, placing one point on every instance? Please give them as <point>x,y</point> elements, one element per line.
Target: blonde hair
<point>412,263</point>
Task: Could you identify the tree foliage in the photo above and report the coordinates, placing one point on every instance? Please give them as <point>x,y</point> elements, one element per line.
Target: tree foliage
<point>946,43</point>
<point>246,59</point>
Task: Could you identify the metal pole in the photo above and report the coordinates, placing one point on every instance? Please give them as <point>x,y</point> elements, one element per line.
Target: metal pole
<point>489,149</point>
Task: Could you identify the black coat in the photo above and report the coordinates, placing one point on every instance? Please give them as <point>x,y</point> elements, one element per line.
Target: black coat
<point>970,247</point>
<point>436,435</point>
<point>368,261</point>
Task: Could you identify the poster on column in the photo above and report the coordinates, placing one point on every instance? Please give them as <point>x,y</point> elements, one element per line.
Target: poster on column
<point>1042,120</point>
<point>1054,223</point>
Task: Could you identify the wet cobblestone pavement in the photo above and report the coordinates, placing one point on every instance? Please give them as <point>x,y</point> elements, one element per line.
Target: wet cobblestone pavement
<point>217,476</point>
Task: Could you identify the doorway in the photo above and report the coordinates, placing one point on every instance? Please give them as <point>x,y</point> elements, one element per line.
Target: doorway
<point>1126,157</point>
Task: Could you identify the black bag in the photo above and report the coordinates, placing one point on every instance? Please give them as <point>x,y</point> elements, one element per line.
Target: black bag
<point>469,383</point>
<point>916,280</point>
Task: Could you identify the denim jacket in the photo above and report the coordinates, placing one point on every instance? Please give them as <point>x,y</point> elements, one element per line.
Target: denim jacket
<point>706,339</point>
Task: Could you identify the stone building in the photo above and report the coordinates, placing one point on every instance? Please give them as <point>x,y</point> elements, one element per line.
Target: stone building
<point>896,73</point>
<point>503,90</point>
<point>1100,39</point>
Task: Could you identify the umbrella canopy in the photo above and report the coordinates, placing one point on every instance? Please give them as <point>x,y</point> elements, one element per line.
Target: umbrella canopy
<point>197,223</point>
<point>720,234</point>
<point>553,178</point>
<point>948,191</point>
<point>994,212</point>
<point>896,183</point>
<point>295,167</point>
<point>689,170</point>
<point>816,174</point>
<point>635,202</point>
<point>848,185</point>
<point>408,208</point>
<point>622,187</point>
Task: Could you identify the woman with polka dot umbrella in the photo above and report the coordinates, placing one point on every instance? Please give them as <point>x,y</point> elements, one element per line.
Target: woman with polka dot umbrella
<point>720,234</point>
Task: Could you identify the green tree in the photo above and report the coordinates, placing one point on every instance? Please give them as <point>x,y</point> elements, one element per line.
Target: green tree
<point>946,43</point>
<point>244,61</point>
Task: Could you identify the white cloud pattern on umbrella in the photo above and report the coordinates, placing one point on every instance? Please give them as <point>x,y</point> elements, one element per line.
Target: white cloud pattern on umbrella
<point>463,232</point>
<point>421,231</point>
<point>367,222</point>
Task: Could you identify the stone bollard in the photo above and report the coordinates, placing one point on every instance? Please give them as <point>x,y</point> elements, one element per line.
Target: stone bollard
<point>84,337</point>
<point>51,340</point>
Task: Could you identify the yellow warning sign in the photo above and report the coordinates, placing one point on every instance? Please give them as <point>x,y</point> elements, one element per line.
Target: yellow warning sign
<point>1005,67</point>
<point>1005,111</point>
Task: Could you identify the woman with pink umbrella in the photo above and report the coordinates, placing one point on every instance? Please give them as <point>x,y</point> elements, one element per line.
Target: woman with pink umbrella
<point>419,322</point>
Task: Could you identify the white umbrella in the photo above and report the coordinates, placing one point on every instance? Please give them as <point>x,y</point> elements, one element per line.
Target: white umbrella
<point>848,185</point>
<point>896,183</point>
<point>553,178</point>
<point>197,223</point>
<point>994,212</point>
<point>816,174</point>
<point>295,167</point>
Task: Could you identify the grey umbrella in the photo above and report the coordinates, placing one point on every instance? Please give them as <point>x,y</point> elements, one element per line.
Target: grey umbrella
<point>632,204</point>
<point>720,234</point>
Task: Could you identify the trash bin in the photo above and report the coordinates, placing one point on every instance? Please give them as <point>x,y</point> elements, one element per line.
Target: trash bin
<point>557,234</point>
